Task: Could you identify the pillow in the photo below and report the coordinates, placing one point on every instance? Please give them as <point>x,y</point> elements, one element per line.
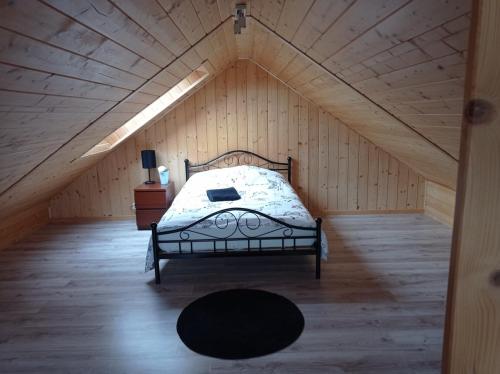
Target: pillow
<point>223,194</point>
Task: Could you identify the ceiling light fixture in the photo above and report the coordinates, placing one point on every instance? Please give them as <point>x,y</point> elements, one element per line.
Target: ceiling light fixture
<point>240,20</point>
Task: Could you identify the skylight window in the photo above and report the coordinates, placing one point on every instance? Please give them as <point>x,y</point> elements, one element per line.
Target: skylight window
<point>150,112</point>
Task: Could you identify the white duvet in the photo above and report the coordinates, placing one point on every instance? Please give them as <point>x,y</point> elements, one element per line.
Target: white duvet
<point>260,189</point>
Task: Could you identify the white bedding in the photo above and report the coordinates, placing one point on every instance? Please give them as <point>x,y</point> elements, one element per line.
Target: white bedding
<point>260,189</point>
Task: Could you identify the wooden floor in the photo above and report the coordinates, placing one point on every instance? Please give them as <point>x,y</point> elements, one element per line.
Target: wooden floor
<point>75,299</point>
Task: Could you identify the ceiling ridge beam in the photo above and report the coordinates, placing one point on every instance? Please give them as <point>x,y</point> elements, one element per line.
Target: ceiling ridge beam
<point>333,75</point>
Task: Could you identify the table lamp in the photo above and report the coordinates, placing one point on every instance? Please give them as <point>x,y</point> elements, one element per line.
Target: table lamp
<point>148,162</point>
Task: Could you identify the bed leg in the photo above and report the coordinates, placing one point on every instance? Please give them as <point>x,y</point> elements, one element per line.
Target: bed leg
<point>318,248</point>
<point>157,272</point>
<point>154,235</point>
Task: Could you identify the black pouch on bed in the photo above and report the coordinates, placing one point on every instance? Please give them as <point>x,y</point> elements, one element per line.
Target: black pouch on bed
<point>223,194</point>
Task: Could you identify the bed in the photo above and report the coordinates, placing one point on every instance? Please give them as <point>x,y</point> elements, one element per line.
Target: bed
<point>269,219</point>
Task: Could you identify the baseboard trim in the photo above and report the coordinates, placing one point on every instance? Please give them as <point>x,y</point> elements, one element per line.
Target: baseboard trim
<point>90,219</point>
<point>367,212</point>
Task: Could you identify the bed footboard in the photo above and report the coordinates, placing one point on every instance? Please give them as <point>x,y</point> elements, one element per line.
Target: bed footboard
<point>236,232</point>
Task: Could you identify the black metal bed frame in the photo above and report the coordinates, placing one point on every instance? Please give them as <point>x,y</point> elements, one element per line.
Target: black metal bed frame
<point>247,222</point>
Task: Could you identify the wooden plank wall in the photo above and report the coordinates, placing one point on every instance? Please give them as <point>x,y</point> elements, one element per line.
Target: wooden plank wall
<point>23,223</point>
<point>335,169</point>
<point>439,202</point>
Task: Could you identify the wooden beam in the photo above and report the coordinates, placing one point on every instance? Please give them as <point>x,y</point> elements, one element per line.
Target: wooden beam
<point>472,333</point>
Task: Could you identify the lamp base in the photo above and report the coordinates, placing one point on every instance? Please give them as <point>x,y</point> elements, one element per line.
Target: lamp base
<point>149,181</point>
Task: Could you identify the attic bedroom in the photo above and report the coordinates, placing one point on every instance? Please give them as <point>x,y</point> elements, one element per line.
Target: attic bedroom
<point>280,186</point>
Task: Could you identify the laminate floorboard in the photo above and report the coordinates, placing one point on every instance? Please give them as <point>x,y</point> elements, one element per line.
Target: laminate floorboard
<point>74,298</point>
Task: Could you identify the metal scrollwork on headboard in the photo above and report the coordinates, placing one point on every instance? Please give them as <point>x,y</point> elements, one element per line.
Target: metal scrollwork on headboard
<point>236,158</point>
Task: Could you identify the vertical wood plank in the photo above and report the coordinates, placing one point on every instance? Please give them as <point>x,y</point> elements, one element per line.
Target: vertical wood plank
<point>150,137</point>
<point>372,176</point>
<point>211,114</point>
<point>232,121</point>
<point>160,134</point>
<point>352,182</point>
<point>253,137</point>
<point>172,148</point>
<point>272,117</point>
<point>363,176</point>
<point>140,144</point>
<point>323,161</point>
<point>343,166</point>
<point>333,162</point>
<point>392,186</point>
<point>421,192</point>
<point>241,103</point>
<point>181,135</point>
<point>221,102</point>
<point>113,192</point>
<point>303,140</point>
<point>402,186</point>
<point>282,122</point>
<point>191,136</point>
<point>103,183</point>
<point>411,201</point>
<point>95,208</point>
<point>81,209</point>
<point>125,208</point>
<point>201,126</point>
<point>383,180</point>
<point>262,129</point>
<point>133,160</point>
<point>293,135</point>
<point>313,160</point>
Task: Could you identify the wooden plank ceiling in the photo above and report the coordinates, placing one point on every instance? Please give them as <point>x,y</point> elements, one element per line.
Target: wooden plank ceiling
<point>71,72</point>
<point>391,69</point>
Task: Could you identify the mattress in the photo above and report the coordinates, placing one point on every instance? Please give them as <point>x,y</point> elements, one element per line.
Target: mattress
<point>260,189</point>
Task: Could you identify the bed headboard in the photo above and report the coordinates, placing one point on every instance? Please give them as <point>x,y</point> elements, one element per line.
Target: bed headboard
<point>236,158</point>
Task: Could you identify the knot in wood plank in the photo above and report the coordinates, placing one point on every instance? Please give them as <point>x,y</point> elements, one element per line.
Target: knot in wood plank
<point>479,111</point>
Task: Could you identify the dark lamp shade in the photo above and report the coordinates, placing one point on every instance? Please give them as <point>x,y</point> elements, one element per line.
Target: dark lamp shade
<point>148,159</point>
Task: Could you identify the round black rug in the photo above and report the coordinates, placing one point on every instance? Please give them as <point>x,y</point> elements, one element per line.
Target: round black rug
<point>240,323</point>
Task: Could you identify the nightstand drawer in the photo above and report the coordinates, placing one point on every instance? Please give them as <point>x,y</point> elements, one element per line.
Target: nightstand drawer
<point>151,200</point>
<point>151,203</point>
<point>145,217</point>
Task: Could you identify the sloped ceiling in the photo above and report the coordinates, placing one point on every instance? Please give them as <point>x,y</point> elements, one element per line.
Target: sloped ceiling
<point>71,72</point>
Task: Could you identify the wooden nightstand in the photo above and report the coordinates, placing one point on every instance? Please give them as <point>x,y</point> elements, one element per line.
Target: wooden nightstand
<point>151,203</point>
